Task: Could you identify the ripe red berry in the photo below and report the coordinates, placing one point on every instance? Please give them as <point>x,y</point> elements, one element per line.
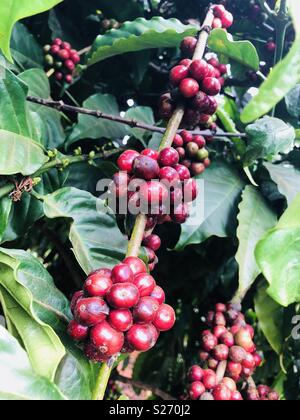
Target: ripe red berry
<point>97,285</point>
<point>58,76</point>
<point>188,46</point>
<point>158,294</point>
<point>64,54</point>
<point>227,19</point>
<point>230,383</point>
<point>178,141</point>
<point>123,296</point>
<point>195,374</point>
<point>203,356</point>
<point>258,359</point>
<point>169,174</point>
<point>119,186</point>
<point>57,41</point>
<point>136,265</point>
<point>199,70</point>
<point>180,214</point>
<point>196,390</point>
<point>150,153</point>
<point>145,284</point>
<point>273,396</point>
<point>249,361</point>
<point>218,331</point>
<point>243,339</point>
<point>166,106</point>
<point>94,354</point>
<point>197,168</point>
<point>227,339</point>
<point>219,316</point>
<point>186,136</point>
<point>153,194</point>
<point>201,102</point>
<point>223,68</point>
<point>234,370</point>
<point>263,390</point>
<point>213,105</point>
<point>66,45</point>
<point>219,10</point>
<point>214,62</point>
<point>55,49</point>
<point>209,341</point>
<point>209,379</point>
<point>125,161</point>
<point>221,352</point>
<point>200,141</point>
<point>76,297</point>
<point>186,62</point>
<point>122,273</point>
<point>271,46</point>
<point>183,172</point>
<point>78,332</point>
<point>165,318</point>
<point>221,393</point>
<point>69,65</point>
<point>106,339</point>
<point>190,190</point>
<point>189,87</point>
<point>177,74</point>
<point>236,396</point>
<point>91,311</point>
<point>120,319</point>
<point>142,337</point>
<point>146,310</point>
<point>211,86</point>
<point>146,168</point>
<point>152,242</point>
<point>168,157</point>
<point>68,78</point>
<point>237,354</point>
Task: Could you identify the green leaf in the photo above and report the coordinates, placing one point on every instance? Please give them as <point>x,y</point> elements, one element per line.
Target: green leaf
<point>142,114</point>
<point>222,190</point>
<point>5,208</point>
<point>42,344</point>
<point>270,316</point>
<point>278,256</point>
<point>268,137</point>
<point>282,79</point>
<point>94,234</point>
<point>255,219</point>
<point>292,101</point>
<point>13,10</point>
<point>242,52</point>
<point>18,381</point>
<point>26,51</point>
<point>19,154</point>
<point>294,11</point>
<point>141,34</point>
<point>51,133</point>
<point>287,178</point>
<point>93,128</point>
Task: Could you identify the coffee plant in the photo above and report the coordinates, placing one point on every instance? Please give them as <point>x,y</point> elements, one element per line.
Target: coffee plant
<point>150,200</point>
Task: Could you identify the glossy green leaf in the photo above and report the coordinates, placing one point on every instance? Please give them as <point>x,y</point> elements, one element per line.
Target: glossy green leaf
<point>51,133</point>
<point>5,208</point>
<point>12,11</point>
<point>282,79</point>
<point>287,179</point>
<point>292,101</point>
<point>94,234</point>
<point>255,219</point>
<point>19,154</point>
<point>93,128</point>
<point>222,189</point>
<point>271,318</point>
<point>139,35</point>
<point>26,51</point>
<point>142,114</point>
<point>243,52</point>
<point>268,137</point>
<point>294,9</point>
<point>18,381</point>
<point>278,256</point>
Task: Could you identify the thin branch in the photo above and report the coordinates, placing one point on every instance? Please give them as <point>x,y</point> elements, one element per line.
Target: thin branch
<point>221,371</point>
<point>137,384</point>
<point>61,106</point>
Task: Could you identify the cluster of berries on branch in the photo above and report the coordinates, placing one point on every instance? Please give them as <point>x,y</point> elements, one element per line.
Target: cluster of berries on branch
<point>60,57</point>
<point>196,82</point>
<point>229,341</point>
<point>119,310</point>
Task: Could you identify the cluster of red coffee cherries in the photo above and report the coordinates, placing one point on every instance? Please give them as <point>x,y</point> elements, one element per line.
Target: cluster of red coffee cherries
<point>192,151</point>
<point>62,58</point>
<point>196,82</point>
<point>229,340</point>
<point>156,184</point>
<point>119,310</point>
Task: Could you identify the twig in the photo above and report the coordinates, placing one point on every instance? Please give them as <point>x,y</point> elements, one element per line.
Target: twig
<point>61,106</point>
<point>221,371</point>
<point>138,384</point>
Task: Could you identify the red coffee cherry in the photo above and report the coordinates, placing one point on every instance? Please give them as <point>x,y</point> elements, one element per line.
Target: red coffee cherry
<point>227,20</point>
<point>263,390</point>
<point>197,168</point>
<point>146,310</point>
<point>152,242</point>
<point>78,332</point>
<point>234,370</point>
<point>120,319</point>
<point>190,190</point>
<point>195,374</point>
<point>125,161</point>
<point>165,318</point>
<point>75,57</point>
<point>230,383</point>
<point>122,273</point>
<point>209,379</point>
<point>183,172</point>
<point>249,361</point>
<point>76,297</point>
<point>211,86</point>
<point>150,153</point>
<point>209,341</point>
<point>186,136</point>
<point>243,339</point>
<point>106,339</point>
<point>177,74</point>
<point>64,54</point>
<point>158,294</point>
<point>219,331</point>
<point>180,214</point>
<point>178,141</point>
<point>97,285</point>
<point>258,359</point>
<point>57,41</point>
<point>119,186</point>
<point>69,65</point>
<point>188,46</point>
<point>145,284</point>
<point>189,87</point>
<point>237,354</point>
<point>55,49</point>
<point>223,68</point>
<point>59,76</point>
<point>169,174</point>
<point>236,396</point>
<point>146,168</point>
<point>91,311</point>
<point>221,352</point>
<point>201,102</point>
<point>153,193</point>
<point>221,393</point>
<point>186,62</point>
<point>168,157</point>
<point>142,337</point>
<point>93,354</point>
<point>196,390</point>
<point>227,339</point>
<point>199,70</point>
<point>136,265</point>
<point>219,10</point>
<point>123,295</point>
<point>201,142</point>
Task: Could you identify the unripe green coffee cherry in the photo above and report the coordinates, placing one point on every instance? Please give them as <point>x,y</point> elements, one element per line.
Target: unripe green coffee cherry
<point>202,154</point>
<point>49,60</point>
<point>47,48</point>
